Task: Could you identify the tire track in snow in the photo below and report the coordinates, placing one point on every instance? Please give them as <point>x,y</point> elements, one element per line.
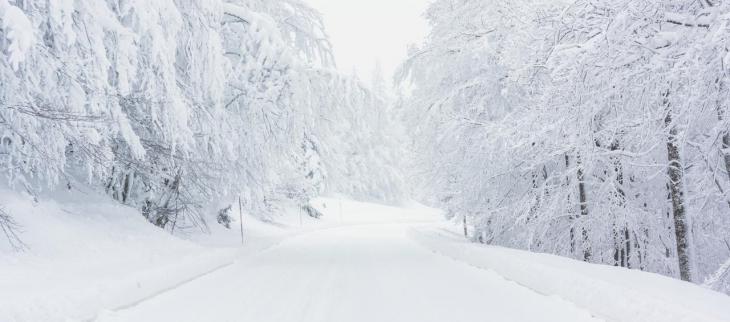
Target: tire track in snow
<point>221,267</point>
<point>193,278</point>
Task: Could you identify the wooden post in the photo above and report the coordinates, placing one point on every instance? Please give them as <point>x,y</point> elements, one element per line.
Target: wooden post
<point>466,230</point>
<point>240,217</point>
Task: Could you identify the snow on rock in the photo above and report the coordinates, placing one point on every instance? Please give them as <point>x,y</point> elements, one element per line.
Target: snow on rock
<point>611,293</point>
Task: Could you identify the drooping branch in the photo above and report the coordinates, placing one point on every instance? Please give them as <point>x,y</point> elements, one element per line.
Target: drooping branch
<point>11,230</point>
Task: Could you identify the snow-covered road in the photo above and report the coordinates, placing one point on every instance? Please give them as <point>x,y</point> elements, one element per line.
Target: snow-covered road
<point>367,272</point>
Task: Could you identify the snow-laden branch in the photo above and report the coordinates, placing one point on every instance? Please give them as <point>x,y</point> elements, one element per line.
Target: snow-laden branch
<point>19,31</point>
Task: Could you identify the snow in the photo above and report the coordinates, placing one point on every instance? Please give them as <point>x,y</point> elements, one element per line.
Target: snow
<point>85,252</point>
<point>62,12</point>
<point>368,269</point>
<point>185,110</point>
<point>92,260</point>
<point>19,31</point>
<point>720,280</point>
<point>611,293</point>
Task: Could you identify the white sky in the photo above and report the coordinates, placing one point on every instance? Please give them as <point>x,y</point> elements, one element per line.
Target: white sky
<point>364,32</point>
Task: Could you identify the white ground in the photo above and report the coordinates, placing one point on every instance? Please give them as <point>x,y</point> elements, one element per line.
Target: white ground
<point>362,263</point>
<point>361,273</point>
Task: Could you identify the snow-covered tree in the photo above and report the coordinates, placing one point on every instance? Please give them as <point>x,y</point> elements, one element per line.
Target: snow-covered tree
<point>174,106</point>
<point>589,129</point>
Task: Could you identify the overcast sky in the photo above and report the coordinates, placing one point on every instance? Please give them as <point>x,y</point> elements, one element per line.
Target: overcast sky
<point>366,31</point>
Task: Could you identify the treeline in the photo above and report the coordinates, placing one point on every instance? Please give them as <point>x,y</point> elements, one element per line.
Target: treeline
<point>596,130</point>
<point>176,106</point>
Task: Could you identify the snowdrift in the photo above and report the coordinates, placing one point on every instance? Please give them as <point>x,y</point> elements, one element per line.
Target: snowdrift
<point>87,253</point>
<point>611,293</point>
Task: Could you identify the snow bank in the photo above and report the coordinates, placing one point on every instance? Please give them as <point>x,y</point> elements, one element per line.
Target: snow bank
<point>611,293</point>
<point>87,253</point>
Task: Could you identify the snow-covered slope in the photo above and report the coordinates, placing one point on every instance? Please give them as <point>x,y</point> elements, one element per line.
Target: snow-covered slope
<point>86,252</point>
<point>92,260</point>
<point>611,293</point>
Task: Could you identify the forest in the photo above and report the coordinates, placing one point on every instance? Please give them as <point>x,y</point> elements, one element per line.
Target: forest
<point>175,106</point>
<point>597,130</point>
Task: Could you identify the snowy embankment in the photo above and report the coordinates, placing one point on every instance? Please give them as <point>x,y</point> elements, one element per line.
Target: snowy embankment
<point>89,256</point>
<point>610,293</point>
<point>88,253</point>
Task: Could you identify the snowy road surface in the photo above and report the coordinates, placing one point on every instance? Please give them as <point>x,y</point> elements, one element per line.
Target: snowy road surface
<point>369,272</point>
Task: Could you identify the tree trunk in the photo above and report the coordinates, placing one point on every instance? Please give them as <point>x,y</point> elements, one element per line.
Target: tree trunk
<point>725,152</point>
<point>466,229</point>
<point>622,240</point>
<point>572,218</point>
<point>676,190</point>
<point>726,135</point>
<point>583,198</point>
<point>240,218</point>
<point>127,186</point>
<point>725,145</point>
